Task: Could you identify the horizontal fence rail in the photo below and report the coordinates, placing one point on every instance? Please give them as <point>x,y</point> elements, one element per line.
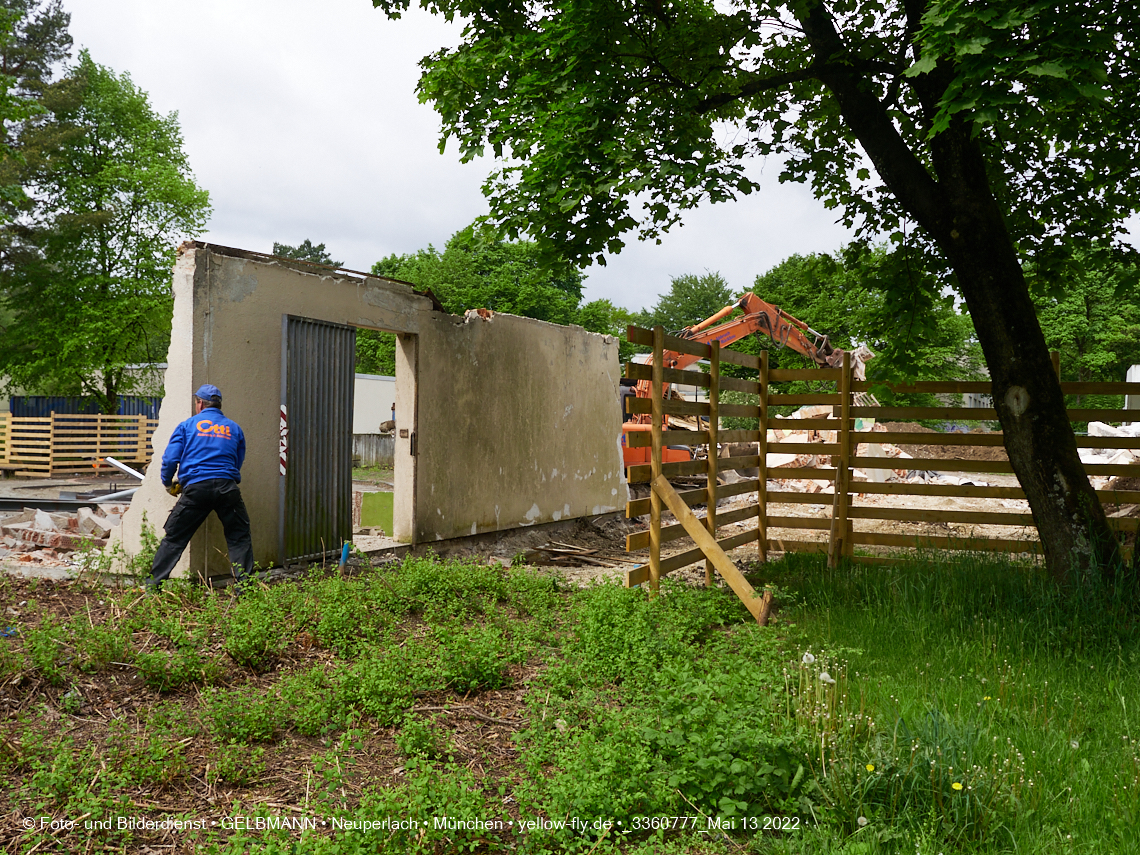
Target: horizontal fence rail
<point>69,444</point>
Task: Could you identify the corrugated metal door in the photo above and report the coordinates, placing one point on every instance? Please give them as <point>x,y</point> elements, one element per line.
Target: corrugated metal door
<point>318,363</point>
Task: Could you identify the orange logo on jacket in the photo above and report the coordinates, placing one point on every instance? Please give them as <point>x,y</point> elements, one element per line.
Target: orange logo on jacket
<point>208,428</point>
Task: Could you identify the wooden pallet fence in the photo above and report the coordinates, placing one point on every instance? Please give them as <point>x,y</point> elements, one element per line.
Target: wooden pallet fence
<point>67,444</point>
<point>5,441</point>
<point>701,530</point>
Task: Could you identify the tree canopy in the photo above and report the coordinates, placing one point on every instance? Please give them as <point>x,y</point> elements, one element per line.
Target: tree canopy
<point>306,251</point>
<point>88,286</point>
<point>478,269</point>
<point>689,300</point>
<point>988,136</point>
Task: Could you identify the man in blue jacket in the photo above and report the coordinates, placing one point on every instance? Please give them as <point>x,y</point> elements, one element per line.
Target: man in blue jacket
<point>207,451</point>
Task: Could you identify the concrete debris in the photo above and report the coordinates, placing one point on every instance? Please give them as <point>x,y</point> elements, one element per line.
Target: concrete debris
<point>1101,429</point>
<point>93,525</point>
<point>34,535</point>
<point>1106,455</point>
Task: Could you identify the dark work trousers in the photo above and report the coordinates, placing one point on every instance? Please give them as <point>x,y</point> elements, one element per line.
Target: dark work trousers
<point>223,497</point>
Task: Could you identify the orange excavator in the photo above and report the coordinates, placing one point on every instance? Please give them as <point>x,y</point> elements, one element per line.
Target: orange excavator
<point>758,317</point>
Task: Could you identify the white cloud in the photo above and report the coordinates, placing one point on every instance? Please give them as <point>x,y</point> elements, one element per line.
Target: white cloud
<point>301,119</point>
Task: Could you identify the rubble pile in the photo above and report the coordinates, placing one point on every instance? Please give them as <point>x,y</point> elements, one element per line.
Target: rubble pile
<point>1109,455</point>
<point>788,432</point>
<point>33,535</point>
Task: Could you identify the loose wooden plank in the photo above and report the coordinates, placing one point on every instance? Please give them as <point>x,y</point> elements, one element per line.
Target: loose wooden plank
<point>709,545</point>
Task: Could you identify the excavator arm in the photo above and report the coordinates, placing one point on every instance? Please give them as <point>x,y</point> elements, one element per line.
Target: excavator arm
<point>759,317</point>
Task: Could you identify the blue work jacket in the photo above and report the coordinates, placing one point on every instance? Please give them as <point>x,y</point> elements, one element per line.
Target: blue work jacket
<point>203,447</point>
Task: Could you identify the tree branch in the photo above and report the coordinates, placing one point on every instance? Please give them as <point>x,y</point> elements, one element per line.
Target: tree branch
<point>898,166</point>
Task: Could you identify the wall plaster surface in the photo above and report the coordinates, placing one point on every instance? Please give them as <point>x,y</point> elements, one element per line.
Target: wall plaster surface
<point>515,421</point>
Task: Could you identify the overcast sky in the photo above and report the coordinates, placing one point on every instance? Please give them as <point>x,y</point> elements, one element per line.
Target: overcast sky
<point>301,119</point>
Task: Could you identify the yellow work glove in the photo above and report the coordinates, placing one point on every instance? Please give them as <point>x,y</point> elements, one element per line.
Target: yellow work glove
<point>175,488</point>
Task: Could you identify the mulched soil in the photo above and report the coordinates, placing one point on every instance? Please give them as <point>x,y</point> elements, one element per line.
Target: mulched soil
<point>477,728</point>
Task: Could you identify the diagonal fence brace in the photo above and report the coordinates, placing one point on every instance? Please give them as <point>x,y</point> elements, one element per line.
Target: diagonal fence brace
<point>760,607</point>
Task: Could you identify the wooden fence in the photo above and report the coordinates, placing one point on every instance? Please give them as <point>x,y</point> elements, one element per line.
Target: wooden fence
<point>702,530</point>
<point>66,444</point>
<point>845,530</point>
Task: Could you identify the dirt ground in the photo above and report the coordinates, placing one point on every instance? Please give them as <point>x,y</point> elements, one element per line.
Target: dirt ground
<point>963,452</point>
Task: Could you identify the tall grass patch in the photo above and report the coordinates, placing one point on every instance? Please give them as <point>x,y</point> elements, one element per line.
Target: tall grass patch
<point>1004,707</point>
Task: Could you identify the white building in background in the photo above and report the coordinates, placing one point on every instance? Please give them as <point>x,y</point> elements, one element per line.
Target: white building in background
<point>374,397</point>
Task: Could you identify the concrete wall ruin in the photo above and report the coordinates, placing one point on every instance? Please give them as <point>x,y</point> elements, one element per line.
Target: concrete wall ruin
<point>515,421</point>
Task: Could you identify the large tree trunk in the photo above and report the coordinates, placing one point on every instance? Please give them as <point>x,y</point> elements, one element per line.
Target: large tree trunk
<point>1026,391</point>
<point>956,207</point>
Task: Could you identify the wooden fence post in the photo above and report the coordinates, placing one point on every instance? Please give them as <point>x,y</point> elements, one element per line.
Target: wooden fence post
<point>1055,356</point>
<point>840,544</point>
<point>714,428</point>
<point>762,448</point>
<point>657,404</point>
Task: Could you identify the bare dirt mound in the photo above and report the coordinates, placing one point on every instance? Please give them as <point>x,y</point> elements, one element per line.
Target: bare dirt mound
<point>962,452</point>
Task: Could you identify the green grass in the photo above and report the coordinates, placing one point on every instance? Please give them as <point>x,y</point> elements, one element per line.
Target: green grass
<point>376,510</point>
<point>942,705</point>
<point>981,673</point>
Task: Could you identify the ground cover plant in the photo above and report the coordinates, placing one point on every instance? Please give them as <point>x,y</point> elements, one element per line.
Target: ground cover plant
<point>938,705</point>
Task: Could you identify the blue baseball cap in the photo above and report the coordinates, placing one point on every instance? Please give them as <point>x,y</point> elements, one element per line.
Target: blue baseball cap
<point>207,391</point>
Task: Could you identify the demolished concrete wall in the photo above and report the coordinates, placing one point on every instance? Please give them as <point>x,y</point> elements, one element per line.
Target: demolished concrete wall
<point>514,421</point>
<point>521,427</point>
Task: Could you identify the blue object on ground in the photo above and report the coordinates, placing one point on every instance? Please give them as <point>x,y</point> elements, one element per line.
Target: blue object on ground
<point>9,631</point>
<point>344,554</point>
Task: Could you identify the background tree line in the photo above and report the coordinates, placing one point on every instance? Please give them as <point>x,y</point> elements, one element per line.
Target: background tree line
<point>95,193</point>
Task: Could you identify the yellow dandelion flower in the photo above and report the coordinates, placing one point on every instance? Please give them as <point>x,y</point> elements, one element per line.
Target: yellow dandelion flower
<point>986,698</point>
<point>956,785</point>
<point>870,767</point>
